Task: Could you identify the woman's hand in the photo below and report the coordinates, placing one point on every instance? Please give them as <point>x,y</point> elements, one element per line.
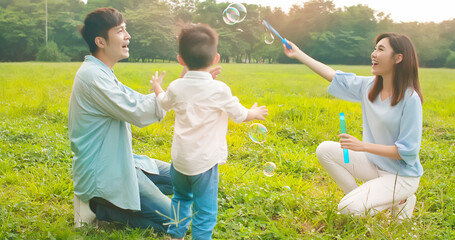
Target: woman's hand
<point>292,53</point>
<point>350,142</point>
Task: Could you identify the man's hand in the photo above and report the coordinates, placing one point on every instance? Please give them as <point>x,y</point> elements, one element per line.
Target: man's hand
<point>215,71</point>
<point>184,71</point>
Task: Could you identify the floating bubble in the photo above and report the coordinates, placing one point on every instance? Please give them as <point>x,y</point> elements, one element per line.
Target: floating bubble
<point>239,30</point>
<point>268,37</point>
<point>231,15</point>
<point>234,13</point>
<point>287,188</point>
<point>241,9</point>
<point>269,169</point>
<point>257,133</point>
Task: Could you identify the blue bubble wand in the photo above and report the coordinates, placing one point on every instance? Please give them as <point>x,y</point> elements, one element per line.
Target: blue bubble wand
<point>283,40</point>
<point>343,130</point>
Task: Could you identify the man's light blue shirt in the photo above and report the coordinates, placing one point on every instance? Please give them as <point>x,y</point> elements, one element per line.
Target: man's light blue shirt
<point>100,112</point>
<point>399,125</point>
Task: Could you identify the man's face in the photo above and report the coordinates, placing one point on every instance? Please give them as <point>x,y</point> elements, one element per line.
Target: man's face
<point>116,47</point>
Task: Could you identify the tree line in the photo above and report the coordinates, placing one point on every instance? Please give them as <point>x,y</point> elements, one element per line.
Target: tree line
<point>331,35</point>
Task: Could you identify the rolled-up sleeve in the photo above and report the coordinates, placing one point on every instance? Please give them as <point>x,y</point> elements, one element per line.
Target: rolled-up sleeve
<point>410,135</point>
<point>160,112</point>
<point>109,98</point>
<point>347,86</point>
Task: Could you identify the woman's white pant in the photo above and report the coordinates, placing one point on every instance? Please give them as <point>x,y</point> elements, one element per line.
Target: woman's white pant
<point>380,191</point>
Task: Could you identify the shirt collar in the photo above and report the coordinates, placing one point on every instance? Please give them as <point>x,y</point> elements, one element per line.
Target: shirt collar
<point>93,59</point>
<point>198,75</point>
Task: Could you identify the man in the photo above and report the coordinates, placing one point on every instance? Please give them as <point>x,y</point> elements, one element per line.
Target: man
<point>119,185</point>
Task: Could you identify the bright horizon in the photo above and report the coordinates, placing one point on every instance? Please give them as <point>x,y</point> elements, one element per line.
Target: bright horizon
<point>399,10</point>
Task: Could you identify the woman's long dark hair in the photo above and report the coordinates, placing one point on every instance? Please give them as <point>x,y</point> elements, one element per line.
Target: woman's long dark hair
<point>405,73</point>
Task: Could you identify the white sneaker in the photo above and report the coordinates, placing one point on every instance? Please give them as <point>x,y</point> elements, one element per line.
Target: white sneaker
<point>405,210</point>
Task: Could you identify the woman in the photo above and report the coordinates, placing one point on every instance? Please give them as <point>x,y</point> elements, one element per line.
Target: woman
<point>387,160</point>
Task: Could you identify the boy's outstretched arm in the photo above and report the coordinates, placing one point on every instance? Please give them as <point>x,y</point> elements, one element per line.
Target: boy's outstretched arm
<point>258,113</point>
<point>320,68</point>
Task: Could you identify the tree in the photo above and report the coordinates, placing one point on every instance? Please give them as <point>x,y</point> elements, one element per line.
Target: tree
<point>151,28</point>
<point>64,18</point>
<point>332,35</point>
<point>20,34</point>
<point>432,50</point>
<point>183,10</point>
<point>450,63</point>
<point>51,53</point>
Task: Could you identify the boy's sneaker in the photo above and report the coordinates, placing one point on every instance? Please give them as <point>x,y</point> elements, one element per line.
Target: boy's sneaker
<point>405,210</point>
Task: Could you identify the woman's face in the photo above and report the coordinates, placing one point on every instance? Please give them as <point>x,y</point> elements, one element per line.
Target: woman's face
<point>382,58</point>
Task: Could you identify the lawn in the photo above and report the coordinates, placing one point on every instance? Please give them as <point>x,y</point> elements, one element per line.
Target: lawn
<point>36,188</point>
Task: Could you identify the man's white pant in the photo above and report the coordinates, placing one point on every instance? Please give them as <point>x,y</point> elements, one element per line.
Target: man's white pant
<point>381,190</point>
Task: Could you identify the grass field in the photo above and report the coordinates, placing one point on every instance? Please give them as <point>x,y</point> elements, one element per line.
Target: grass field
<point>36,189</point>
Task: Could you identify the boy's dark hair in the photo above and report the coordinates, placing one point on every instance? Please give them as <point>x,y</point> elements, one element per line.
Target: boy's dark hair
<point>198,45</point>
<point>98,23</point>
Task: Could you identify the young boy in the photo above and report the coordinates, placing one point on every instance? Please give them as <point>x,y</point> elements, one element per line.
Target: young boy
<point>202,107</point>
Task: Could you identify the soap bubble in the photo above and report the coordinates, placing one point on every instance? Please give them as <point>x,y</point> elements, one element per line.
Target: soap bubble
<point>287,188</point>
<point>241,9</point>
<point>269,169</point>
<point>234,13</point>
<point>258,133</point>
<point>231,15</point>
<point>268,37</point>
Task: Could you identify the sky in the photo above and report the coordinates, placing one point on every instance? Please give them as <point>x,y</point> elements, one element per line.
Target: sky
<point>399,10</point>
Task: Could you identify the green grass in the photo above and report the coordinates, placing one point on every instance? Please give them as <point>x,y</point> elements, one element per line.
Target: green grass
<point>36,189</point>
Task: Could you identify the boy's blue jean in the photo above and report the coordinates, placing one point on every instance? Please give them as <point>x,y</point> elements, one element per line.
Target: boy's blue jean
<point>201,191</point>
<point>152,191</point>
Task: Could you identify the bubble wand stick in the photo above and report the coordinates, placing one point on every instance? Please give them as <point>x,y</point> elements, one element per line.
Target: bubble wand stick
<point>343,130</point>
<point>283,40</point>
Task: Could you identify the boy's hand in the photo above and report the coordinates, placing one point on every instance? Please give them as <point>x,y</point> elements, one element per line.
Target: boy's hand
<point>156,82</point>
<point>158,79</point>
<point>256,112</point>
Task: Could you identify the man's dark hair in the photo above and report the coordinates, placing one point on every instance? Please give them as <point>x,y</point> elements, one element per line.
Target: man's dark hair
<point>198,45</point>
<point>98,23</point>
